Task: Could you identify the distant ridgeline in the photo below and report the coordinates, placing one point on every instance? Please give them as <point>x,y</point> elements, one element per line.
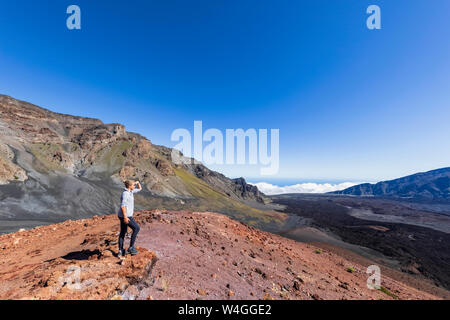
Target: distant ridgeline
<point>431,185</point>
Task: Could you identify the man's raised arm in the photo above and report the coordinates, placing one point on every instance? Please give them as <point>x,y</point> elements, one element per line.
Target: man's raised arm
<point>139,187</point>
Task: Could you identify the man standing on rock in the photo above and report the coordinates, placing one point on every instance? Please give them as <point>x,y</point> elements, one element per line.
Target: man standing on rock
<point>126,217</point>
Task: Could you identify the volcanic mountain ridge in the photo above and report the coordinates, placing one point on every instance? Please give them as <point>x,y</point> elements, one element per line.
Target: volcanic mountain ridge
<point>55,167</point>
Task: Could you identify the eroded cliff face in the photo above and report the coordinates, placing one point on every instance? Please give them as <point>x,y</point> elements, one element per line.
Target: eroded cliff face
<point>9,171</point>
<point>52,163</point>
<point>55,141</point>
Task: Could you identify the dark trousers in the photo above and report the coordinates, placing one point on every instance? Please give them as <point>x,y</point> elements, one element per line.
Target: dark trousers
<point>123,231</point>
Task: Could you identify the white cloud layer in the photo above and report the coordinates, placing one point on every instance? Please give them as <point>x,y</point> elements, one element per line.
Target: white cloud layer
<point>310,187</point>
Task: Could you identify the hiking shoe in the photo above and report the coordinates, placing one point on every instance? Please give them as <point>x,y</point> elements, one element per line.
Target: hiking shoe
<point>133,251</point>
<point>121,254</point>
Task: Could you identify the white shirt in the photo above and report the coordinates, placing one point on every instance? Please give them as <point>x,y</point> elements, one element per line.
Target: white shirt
<point>127,201</point>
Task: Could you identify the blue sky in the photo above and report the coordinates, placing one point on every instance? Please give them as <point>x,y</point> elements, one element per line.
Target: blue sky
<point>351,104</point>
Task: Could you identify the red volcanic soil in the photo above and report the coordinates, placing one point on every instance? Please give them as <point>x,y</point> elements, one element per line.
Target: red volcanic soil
<point>183,255</point>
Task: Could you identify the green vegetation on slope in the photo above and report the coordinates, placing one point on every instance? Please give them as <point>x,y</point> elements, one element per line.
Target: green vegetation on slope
<point>43,153</point>
<point>111,156</point>
<point>212,200</point>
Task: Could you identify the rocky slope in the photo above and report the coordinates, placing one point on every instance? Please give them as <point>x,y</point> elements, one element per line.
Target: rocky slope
<point>183,255</point>
<point>431,185</point>
<point>55,166</point>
